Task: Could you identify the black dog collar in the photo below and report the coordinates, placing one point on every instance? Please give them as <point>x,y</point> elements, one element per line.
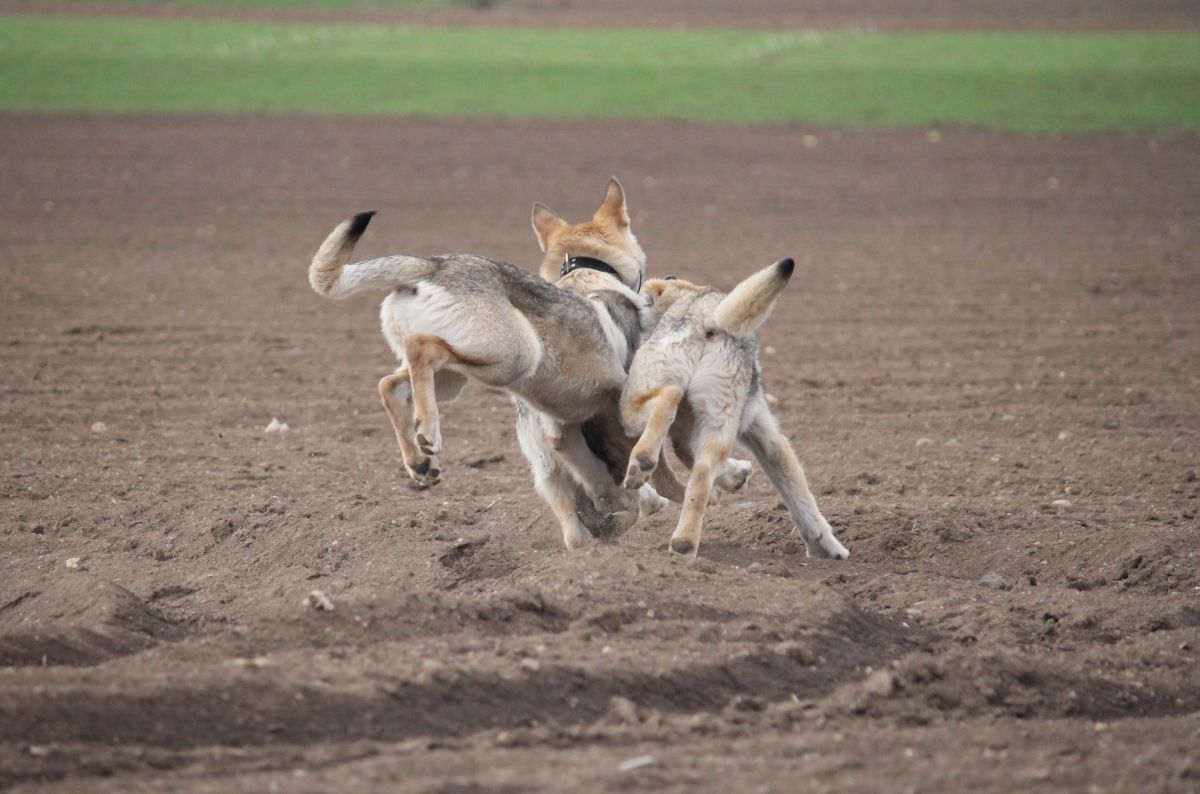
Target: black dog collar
<point>572,263</point>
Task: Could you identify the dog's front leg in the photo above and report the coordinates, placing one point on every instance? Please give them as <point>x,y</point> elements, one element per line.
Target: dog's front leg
<point>550,479</point>
<point>572,452</point>
<point>664,480</point>
<point>558,489</point>
<point>778,460</point>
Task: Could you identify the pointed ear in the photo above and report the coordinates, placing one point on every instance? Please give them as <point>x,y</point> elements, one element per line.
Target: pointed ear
<point>545,224</point>
<point>654,288</point>
<point>613,206</point>
<point>742,311</point>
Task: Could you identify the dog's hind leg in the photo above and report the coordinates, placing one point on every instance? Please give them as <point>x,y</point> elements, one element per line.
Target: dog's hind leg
<point>773,452</point>
<point>396,392</point>
<point>686,538</point>
<point>659,407</point>
<point>425,354</point>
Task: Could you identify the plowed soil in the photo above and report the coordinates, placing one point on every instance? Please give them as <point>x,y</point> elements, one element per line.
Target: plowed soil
<point>987,360</point>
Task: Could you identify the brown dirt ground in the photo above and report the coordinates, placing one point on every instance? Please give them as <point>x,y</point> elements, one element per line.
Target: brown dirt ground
<point>979,326</point>
<point>820,14</point>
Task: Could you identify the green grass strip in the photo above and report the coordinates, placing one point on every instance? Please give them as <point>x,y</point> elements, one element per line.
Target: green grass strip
<point>1018,81</point>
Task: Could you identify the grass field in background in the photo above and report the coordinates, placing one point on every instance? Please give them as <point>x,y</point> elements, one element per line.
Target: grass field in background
<point>1017,81</point>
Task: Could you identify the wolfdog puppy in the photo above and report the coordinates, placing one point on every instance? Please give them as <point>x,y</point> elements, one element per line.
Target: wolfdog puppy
<point>698,378</point>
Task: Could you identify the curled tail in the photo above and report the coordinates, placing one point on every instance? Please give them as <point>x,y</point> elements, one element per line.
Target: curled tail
<point>744,309</point>
<point>329,274</point>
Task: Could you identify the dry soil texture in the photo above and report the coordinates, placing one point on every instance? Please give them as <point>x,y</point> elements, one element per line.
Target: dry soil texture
<point>987,359</point>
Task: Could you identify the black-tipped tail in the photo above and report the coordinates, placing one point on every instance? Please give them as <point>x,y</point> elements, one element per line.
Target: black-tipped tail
<point>358,225</point>
<point>785,267</point>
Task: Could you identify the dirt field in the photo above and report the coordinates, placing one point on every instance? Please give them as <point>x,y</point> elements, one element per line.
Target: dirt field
<point>979,327</point>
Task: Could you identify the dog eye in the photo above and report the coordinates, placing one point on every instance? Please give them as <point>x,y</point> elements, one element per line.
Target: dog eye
<point>671,277</point>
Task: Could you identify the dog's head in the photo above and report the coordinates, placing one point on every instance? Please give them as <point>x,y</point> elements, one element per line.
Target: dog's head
<point>739,313</point>
<point>662,293</point>
<point>606,237</point>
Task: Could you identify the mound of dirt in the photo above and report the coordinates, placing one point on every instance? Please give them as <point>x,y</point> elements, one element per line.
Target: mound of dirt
<point>78,620</point>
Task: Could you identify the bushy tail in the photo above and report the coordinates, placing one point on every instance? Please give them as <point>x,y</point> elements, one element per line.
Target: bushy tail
<point>331,276</point>
<point>744,309</point>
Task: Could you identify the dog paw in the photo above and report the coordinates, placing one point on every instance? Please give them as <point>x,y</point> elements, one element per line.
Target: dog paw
<point>425,471</point>
<point>576,536</point>
<point>684,546</point>
<point>429,440</point>
<point>827,547</point>
<point>650,501</point>
<point>734,474</point>
<point>429,447</point>
<point>623,520</point>
<point>634,478</point>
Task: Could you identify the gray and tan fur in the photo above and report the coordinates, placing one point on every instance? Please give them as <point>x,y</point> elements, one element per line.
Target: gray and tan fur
<point>697,379</point>
<point>561,350</point>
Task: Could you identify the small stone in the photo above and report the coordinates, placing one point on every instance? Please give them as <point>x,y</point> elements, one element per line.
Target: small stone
<point>99,427</point>
<point>1061,504</point>
<point>756,567</point>
<point>636,763</point>
<point>1063,435</point>
<point>532,665</point>
<point>275,426</point>
<point>933,136</point>
<point>809,141</point>
<point>881,683</point>
<point>769,351</point>
<point>319,601</point>
<point>622,709</point>
<point>993,580</point>
<point>924,442</point>
<point>74,563</point>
